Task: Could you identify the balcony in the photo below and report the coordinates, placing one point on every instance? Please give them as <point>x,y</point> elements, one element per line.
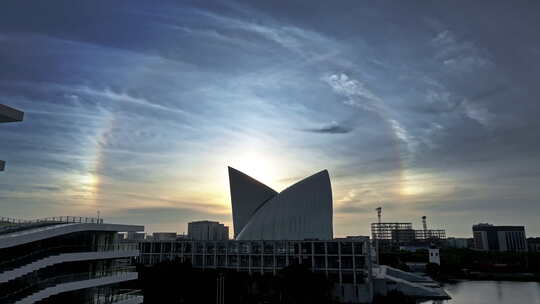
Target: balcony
<point>36,260</point>
<point>51,286</point>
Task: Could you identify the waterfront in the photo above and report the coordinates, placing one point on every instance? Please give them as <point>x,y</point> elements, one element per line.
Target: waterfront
<point>492,292</point>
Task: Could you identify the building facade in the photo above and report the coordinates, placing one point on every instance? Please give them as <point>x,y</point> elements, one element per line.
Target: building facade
<point>208,231</point>
<point>66,260</point>
<point>8,114</point>
<point>534,244</point>
<point>488,237</point>
<point>341,260</point>
<point>302,211</point>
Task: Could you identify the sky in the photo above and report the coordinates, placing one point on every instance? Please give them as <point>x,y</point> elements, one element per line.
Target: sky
<point>136,108</point>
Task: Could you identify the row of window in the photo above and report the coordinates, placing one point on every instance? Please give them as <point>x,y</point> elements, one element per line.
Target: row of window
<point>259,247</point>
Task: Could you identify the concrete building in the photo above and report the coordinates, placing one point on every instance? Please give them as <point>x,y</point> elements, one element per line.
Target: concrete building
<point>66,260</point>
<point>344,261</point>
<point>488,237</point>
<point>8,114</point>
<point>208,231</point>
<point>302,211</point>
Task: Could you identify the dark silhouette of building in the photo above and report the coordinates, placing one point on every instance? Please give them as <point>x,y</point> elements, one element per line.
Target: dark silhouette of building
<point>488,237</point>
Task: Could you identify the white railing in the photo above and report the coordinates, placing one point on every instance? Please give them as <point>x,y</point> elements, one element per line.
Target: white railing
<point>54,219</point>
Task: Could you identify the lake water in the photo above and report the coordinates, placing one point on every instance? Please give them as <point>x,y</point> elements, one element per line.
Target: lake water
<point>492,292</point>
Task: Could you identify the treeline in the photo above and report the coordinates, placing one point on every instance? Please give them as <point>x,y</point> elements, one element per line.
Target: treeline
<point>464,263</point>
<point>177,282</point>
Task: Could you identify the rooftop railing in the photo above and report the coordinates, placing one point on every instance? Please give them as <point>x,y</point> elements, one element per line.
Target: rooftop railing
<point>10,225</point>
<point>54,219</point>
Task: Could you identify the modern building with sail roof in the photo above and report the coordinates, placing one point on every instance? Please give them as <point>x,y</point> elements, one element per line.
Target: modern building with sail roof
<point>302,211</point>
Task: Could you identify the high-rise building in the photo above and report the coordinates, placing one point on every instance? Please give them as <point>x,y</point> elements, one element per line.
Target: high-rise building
<point>208,231</point>
<point>66,260</point>
<point>488,237</point>
<point>8,114</point>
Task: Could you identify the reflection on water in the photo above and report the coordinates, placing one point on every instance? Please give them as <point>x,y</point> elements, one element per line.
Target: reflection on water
<point>492,292</point>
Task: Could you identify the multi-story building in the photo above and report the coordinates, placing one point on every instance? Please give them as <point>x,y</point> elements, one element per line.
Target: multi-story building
<point>8,114</point>
<point>208,231</point>
<point>66,260</point>
<point>392,236</point>
<point>488,237</point>
<point>343,260</point>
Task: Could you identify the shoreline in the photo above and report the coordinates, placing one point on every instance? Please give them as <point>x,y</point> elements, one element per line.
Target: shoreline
<point>486,276</point>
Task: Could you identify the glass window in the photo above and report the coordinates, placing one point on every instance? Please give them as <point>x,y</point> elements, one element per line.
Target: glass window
<point>346,248</point>
<point>332,247</point>
<point>280,260</point>
<point>268,261</point>
<point>220,260</point>
<point>198,260</point>
<point>359,262</point>
<point>306,247</point>
<point>199,247</point>
<point>255,261</point>
<point>318,247</point>
<point>187,247</point>
<point>333,262</point>
<point>256,247</point>
<point>210,261</point>
<point>233,260</point>
<point>268,247</point>
<point>320,262</point>
<point>244,261</point>
<point>346,262</point>
<point>210,247</point>
<point>358,248</point>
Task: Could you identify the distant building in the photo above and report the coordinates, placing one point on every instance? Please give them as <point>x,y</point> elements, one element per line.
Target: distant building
<point>534,244</point>
<point>394,236</point>
<point>458,242</point>
<point>434,256</point>
<point>208,231</point>
<point>8,114</point>
<point>164,236</point>
<point>135,236</point>
<point>488,237</point>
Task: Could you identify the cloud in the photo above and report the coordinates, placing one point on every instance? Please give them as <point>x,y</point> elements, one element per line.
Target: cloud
<point>459,55</point>
<point>478,113</point>
<point>333,128</point>
<point>356,93</point>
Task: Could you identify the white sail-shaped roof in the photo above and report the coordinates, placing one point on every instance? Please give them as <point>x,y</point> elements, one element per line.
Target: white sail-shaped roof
<point>302,211</point>
<point>247,195</point>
